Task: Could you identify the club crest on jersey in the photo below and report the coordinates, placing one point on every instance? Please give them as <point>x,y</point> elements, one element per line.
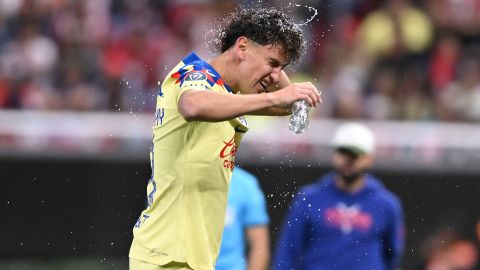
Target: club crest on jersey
<point>196,76</point>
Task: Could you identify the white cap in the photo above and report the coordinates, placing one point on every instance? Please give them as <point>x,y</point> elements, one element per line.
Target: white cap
<point>355,137</point>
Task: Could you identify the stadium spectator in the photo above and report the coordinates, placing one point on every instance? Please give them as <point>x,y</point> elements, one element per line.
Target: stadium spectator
<point>348,219</point>
<point>396,29</point>
<point>461,99</point>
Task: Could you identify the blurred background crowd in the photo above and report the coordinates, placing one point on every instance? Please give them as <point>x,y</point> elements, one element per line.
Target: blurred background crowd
<point>373,59</point>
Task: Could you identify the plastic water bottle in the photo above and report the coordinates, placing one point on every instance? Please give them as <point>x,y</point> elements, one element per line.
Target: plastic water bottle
<point>299,118</point>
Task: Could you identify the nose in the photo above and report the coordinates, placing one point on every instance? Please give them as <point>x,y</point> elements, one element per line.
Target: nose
<point>275,74</point>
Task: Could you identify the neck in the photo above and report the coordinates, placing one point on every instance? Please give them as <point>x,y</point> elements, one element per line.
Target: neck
<point>222,64</point>
<point>352,187</point>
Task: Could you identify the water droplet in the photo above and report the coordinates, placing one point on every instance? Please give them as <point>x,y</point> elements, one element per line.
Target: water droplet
<point>309,9</point>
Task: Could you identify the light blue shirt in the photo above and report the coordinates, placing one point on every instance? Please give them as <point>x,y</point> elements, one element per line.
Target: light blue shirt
<point>246,208</point>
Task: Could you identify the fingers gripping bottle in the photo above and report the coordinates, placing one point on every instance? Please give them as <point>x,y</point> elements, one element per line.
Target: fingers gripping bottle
<point>299,118</point>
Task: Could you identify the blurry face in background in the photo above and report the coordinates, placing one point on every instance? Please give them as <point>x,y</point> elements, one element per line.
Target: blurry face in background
<point>260,66</point>
<point>350,166</point>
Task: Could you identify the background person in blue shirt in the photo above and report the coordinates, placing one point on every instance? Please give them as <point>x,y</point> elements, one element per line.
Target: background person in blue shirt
<point>246,219</point>
<point>347,219</point>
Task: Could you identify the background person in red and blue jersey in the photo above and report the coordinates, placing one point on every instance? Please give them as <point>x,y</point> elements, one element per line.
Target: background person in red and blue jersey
<point>347,219</point>
<point>246,223</point>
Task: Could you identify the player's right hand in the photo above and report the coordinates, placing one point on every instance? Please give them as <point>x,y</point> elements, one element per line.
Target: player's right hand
<point>296,91</point>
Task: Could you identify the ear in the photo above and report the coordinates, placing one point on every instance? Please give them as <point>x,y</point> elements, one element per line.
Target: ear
<point>241,47</point>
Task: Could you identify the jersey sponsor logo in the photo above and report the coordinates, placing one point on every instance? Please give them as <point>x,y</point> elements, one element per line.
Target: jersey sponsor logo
<point>348,218</point>
<point>196,76</point>
<point>230,149</point>
<point>228,153</point>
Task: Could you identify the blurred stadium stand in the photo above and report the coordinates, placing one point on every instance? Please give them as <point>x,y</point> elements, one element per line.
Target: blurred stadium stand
<point>431,147</point>
<point>396,59</point>
<point>78,81</point>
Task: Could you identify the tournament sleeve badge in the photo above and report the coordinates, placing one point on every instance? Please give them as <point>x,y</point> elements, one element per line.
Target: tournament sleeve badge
<point>196,73</point>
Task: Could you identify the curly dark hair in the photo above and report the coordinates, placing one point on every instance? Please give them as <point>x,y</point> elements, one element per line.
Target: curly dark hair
<point>264,26</point>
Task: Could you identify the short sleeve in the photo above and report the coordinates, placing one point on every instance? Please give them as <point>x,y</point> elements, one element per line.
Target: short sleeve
<point>192,77</point>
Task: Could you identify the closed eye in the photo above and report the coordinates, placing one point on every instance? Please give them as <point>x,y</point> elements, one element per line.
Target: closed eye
<point>276,64</point>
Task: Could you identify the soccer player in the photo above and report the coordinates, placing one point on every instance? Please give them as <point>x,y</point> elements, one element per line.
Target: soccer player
<point>348,219</point>
<point>197,130</point>
<point>246,216</point>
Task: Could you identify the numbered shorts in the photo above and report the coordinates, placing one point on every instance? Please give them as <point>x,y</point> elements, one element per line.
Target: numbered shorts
<point>139,265</point>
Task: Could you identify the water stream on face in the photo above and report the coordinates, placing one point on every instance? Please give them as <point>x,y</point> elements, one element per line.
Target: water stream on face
<point>309,9</point>
<point>210,38</point>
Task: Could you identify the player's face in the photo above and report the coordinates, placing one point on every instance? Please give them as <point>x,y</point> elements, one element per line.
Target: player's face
<point>260,68</point>
<point>348,164</point>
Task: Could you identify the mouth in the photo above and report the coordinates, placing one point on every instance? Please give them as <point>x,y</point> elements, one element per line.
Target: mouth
<point>348,171</point>
<point>264,85</point>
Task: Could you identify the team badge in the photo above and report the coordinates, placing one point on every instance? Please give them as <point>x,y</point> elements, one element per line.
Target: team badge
<point>196,76</point>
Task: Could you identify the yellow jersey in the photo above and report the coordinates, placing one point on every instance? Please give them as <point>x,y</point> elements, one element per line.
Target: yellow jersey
<point>192,164</point>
